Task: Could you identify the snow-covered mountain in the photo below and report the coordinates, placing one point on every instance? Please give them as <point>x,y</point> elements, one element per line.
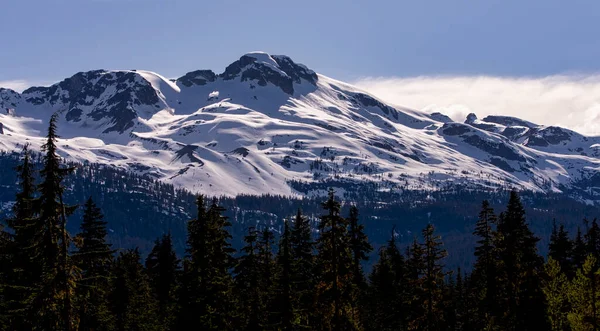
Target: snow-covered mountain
<point>267,120</point>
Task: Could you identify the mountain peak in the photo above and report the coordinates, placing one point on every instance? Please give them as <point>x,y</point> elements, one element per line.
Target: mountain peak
<point>279,70</point>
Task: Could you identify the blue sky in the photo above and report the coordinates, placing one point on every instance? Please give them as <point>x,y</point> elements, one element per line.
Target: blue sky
<point>51,39</point>
<point>536,59</point>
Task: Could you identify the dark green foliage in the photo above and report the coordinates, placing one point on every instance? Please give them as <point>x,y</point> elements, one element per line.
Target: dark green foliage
<point>162,266</point>
<point>94,258</point>
<point>206,297</point>
<point>486,265</point>
<point>303,268</point>
<point>561,249</point>
<point>579,250</point>
<point>252,305</point>
<point>133,305</point>
<point>387,294</point>
<point>522,300</point>
<point>285,312</point>
<point>20,272</point>
<point>334,288</point>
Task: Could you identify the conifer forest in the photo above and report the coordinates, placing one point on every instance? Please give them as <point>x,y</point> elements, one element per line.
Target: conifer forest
<point>323,275</point>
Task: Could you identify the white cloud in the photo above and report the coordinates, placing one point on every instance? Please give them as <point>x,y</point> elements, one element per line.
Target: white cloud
<point>571,101</point>
<point>18,85</point>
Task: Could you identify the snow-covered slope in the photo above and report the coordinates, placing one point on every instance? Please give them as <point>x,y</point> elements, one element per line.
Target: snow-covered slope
<point>267,120</point>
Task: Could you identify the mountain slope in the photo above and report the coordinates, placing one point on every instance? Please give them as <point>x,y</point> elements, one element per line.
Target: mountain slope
<point>266,121</point>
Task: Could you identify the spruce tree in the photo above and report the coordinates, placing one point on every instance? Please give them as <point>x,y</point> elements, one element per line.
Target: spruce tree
<point>561,248</point>
<point>584,297</point>
<point>592,238</point>
<point>520,268</point>
<point>414,271</point>
<point>335,270</point>
<point>52,301</point>
<point>484,271</point>
<point>433,279</point>
<point>23,274</point>
<point>555,287</point>
<point>247,279</point>
<point>94,258</point>
<point>162,266</point>
<point>5,265</point>
<point>579,250</point>
<point>386,293</point>
<point>360,247</point>
<point>216,284</point>
<point>195,266</point>
<point>286,312</point>
<point>133,305</point>
<point>303,268</point>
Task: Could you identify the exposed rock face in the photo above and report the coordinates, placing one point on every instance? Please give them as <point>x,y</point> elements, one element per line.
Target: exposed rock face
<point>278,70</point>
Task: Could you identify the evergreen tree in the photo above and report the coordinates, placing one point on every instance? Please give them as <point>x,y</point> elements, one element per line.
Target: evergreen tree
<point>133,305</point>
<point>579,250</point>
<point>5,263</point>
<point>520,268</point>
<point>485,268</point>
<point>561,248</point>
<point>387,290</point>
<point>555,287</point>
<point>51,304</point>
<point>360,246</point>
<point>267,268</point>
<point>248,283</point>
<point>162,266</point>
<point>414,271</point>
<point>216,284</point>
<point>584,297</point>
<point>335,271</point>
<point>195,266</point>
<point>286,312</point>
<point>94,258</point>
<point>592,238</point>
<point>433,279</point>
<point>23,274</point>
<point>303,268</point>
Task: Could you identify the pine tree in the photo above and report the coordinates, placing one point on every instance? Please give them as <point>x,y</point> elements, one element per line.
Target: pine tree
<point>484,271</point>
<point>303,268</point>
<point>387,290</point>
<point>286,312</point>
<point>162,266</point>
<point>555,287</point>
<point>584,297</point>
<point>520,267</point>
<point>267,268</point>
<point>52,301</point>
<point>561,248</point>
<point>5,263</point>
<point>414,271</point>
<point>360,247</point>
<point>133,305</point>
<point>579,250</point>
<point>216,284</point>
<point>23,274</point>
<point>592,238</point>
<point>94,258</point>
<point>248,283</point>
<point>335,277</point>
<point>433,279</point>
<point>195,266</point>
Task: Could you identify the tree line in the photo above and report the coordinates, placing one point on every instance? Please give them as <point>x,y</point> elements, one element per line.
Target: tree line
<point>299,279</point>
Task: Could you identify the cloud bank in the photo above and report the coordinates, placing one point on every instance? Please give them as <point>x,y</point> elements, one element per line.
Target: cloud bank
<point>571,101</point>
<point>18,85</point>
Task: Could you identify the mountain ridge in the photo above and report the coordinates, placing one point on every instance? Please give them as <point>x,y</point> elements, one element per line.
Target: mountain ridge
<point>267,120</point>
